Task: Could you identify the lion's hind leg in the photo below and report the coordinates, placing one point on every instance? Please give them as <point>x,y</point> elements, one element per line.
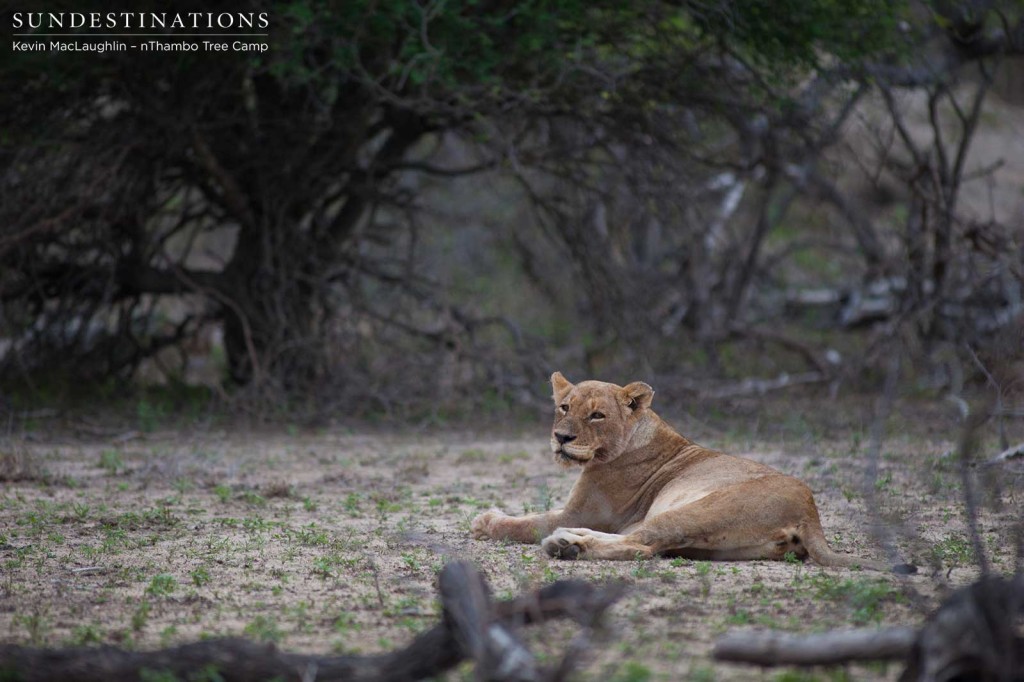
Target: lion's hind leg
<point>584,543</point>
<point>725,526</point>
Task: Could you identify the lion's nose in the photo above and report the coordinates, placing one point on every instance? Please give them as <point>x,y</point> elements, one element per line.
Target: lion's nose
<point>564,438</point>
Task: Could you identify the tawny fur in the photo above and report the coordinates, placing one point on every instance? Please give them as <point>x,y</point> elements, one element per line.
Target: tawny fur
<point>645,490</point>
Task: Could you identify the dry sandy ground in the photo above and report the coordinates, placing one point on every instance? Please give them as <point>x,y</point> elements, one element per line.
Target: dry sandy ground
<point>330,540</point>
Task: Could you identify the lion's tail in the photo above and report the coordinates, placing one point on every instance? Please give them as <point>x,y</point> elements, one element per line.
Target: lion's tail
<point>817,548</point>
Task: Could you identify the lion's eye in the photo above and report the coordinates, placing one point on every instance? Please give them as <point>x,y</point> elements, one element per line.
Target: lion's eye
<point>564,408</point>
<point>595,416</point>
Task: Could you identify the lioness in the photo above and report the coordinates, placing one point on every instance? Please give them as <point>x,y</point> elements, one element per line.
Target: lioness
<point>645,490</point>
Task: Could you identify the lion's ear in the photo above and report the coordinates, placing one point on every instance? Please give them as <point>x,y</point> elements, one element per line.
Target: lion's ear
<point>637,396</point>
<point>560,385</point>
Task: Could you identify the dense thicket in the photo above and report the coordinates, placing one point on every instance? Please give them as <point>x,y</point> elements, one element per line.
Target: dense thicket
<point>401,200</point>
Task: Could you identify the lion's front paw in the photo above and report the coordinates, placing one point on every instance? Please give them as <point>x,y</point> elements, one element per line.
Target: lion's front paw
<point>482,525</point>
<point>563,544</point>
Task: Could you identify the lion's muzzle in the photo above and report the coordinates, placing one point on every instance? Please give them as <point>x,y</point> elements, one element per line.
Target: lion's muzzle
<point>569,452</point>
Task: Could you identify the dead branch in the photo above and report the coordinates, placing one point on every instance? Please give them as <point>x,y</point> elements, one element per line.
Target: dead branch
<point>231,193</point>
<point>472,626</point>
<point>972,636</point>
<point>1014,452</point>
<point>762,386</point>
<point>830,648</point>
<point>498,653</point>
<point>790,343</point>
<point>864,231</point>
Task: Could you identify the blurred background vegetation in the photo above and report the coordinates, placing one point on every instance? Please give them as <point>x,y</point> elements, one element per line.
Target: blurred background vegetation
<point>423,207</point>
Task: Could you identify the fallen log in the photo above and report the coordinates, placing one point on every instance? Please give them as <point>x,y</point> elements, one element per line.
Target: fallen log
<point>465,632</point>
<point>973,635</point>
<point>830,648</point>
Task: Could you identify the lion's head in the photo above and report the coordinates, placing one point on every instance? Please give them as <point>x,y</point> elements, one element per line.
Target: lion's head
<point>595,421</point>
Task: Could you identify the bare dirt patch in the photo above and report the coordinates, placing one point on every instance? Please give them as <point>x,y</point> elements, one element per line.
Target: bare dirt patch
<point>331,540</point>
